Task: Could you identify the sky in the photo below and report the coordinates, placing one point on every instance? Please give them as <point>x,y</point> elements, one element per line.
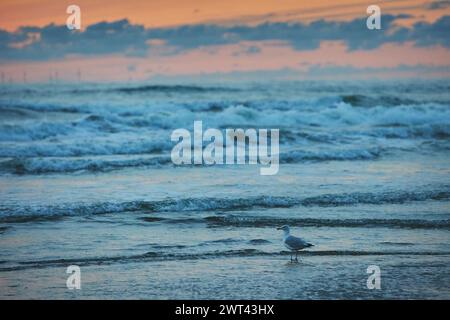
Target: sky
<point>189,40</point>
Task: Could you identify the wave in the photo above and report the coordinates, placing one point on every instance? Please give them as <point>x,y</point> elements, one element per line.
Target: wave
<point>360,100</point>
<point>154,256</point>
<point>107,88</point>
<point>258,222</point>
<point>3,229</point>
<point>258,241</point>
<point>45,165</point>
<point>238,221</point>
<point>392,243</point>
<point>207,243</point>
<point>438,131</point>
<point>39,213</point>
<point>156,88</point>
<point>66,165</point>
<point>148,256</point>
<point>33,131</point>
<point>14,113</point>
<point>173,88</point>
<point>120,144</point>
<point>28,109</point>
<point>296,156</point>
<point>300,115</point>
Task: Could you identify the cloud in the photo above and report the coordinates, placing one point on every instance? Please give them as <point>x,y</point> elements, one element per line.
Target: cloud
<point>58,42</point>
<point>247,50</point>
<point>436,5</point>
<point>122,37</point>
<point>425,34</point>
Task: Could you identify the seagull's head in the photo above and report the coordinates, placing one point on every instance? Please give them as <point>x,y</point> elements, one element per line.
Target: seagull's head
<point>285,228</point>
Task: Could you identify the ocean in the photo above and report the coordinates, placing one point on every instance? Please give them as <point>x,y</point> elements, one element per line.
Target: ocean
<point>86,179</point>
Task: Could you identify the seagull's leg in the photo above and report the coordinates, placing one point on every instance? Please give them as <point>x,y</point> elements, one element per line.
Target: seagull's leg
<point>296,253</point>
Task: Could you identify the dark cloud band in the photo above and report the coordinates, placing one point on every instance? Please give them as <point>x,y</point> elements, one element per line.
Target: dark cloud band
<point>122,37</point>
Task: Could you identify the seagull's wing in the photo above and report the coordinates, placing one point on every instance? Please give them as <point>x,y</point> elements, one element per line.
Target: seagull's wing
<point>295,243</point>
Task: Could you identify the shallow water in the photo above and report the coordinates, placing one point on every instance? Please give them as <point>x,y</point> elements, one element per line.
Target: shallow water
<point>86,179</point>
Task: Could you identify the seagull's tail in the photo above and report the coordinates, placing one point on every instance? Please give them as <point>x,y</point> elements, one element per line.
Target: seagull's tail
<point>309,245</point>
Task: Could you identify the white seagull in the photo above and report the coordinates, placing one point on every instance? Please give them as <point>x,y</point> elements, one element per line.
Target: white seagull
<point>294,244</point>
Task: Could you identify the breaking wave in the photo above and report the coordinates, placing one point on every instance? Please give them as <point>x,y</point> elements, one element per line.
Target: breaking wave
<point>154,256</point>
<point>37,213</point>
<point>66,165</point>
<point>238,221</point>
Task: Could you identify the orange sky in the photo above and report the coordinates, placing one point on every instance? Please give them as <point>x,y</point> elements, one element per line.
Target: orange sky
<point>224,60</point>
<point>216,59</point>
<point>156,13</point>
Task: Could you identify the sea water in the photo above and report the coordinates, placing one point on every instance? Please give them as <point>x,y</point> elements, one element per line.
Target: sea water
<point>86,179</point>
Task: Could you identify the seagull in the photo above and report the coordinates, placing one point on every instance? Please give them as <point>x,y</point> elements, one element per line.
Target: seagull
<point>293,243</point>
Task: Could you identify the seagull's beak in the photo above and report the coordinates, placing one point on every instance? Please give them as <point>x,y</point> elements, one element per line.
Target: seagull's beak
<point>278,228</point>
